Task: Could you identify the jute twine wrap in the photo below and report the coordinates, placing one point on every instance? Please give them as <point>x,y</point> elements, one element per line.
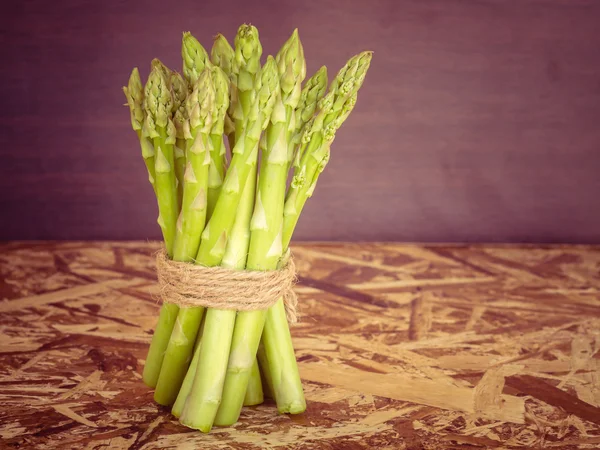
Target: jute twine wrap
<point>187,285</point>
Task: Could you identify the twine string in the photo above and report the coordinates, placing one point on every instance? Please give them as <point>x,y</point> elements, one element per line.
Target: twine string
<point>191,285</point>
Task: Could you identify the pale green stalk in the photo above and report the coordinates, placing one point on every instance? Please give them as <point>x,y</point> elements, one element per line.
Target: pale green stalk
<point>157,64</point>
<point>217,165</point>
<point>312,92</point>
<point>246,64</point>
<point>307,171</point>
<point>264,252</point>
<point>179,119</point>
<point>263,364</point>
<point>279,360</point>
<point>222,55</point>
<point>237,250</point>
<point>266,238</point>
<point>313,152</point>
<point>135,96</point>
<point>159,127</point>
<point>217,154</point>
<point>219,323</point>
<point>194,60</point>
<point>202,401</point>
<point>180,91</point>
<point>200,109</point>
<point>188,381</point>
<point>134,92</point>
<point>235,258</point>
<point>278,349</point>
<point>254,392</point>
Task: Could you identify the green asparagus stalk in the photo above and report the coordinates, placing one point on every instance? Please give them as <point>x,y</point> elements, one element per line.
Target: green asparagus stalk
<point>203,401</point>
<point>186,386</point>
<point>180,91</point>
<point>237,253</point>
<point>217,154</point>
<point>266,238</point>
<point>313,153</point>
<point>180,119</point>
<point>246,63</point>
<point>200,110</point>
<point>254,392</point>
<point>333,111</point>
<point>312,92</point>
<point>200,107</point>
<point>194,60</point>
<point>158,126</point>
<point>134,92</point>
<point>263,365</point>
<point>237,244</point>
<point>157,64</point>
<point>222,55</point>
<point>235,258</point>
<point>279,353</point>
<point>280,360</point>
<point>247,53</point>
<point>292,68</point>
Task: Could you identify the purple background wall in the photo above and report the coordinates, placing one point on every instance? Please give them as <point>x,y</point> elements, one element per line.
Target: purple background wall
<point>479,119</point>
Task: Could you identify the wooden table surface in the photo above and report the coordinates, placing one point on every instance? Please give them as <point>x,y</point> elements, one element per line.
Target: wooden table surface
<point>400,346</point>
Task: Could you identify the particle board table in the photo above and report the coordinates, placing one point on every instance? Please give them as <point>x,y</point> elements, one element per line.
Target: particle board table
<point>399,346</point>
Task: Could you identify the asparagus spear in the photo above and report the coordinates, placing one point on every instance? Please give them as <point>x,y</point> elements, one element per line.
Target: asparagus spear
<point>204,398</point>
<point>180,91</point>
<point>246,63</point>
<point>158,126</point>
<point>222,55</point>
<point>312,92</point>
<point>134,92</point>
<point>186,386</point>
<point>279,352</point>
<point>334,109</point>
<point>237,244</point>
<point>235,258</point>
<point>215,181</point>
<point>201,109</point>
<point>217,153</point>
<point>194,60</point>
<point>162,68</point>
<point>313,153</point>
<point>266,225</point>
<point>254,392</point>
<point>263,365</point>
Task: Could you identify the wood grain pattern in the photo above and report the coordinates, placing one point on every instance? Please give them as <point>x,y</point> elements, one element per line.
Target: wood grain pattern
<point>478,120</point>
<point>400,347</point>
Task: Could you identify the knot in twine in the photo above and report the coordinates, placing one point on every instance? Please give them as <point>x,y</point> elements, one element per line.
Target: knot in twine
<point>188,285</point>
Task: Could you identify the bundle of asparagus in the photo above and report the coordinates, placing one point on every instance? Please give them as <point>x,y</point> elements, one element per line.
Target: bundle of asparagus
<point>207,362</point>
